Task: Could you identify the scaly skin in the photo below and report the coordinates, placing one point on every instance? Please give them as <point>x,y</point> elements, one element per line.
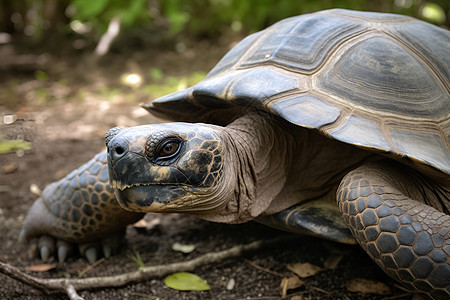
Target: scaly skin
<point>408,239</point>
<point>78,209</point>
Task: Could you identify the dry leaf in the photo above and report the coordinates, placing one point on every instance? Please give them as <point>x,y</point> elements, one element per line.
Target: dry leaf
<point>290,283</point>
<point>304,269</point>
<point>333,261</point>
<point>35,189</point>
<point>41,268</point>
<point>140,224</point>
<point>366,286</point>
<point>9,168</point>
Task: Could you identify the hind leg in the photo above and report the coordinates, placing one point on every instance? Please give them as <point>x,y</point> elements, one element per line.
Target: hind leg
<point>80,209</point>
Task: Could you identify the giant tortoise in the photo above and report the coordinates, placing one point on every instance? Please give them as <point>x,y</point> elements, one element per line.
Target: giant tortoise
<point>337,105</point>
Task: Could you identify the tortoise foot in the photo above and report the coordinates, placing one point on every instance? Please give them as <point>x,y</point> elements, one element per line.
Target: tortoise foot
<point>77,212</point>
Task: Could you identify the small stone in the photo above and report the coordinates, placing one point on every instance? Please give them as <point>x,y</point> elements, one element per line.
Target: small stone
<point>9,119</point>
<point>230,284</point>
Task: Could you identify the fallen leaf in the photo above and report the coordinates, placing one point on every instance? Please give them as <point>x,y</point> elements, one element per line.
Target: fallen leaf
<point>290,283</point>
<point>40,268</point>
<point>140,224</point>
<point>333,261</point>
<point>366,286</point>
<point>13,146</point>
<point>185,248</point>
<point>184,281</point>
<point>304,269</point>
<point>9,168</point>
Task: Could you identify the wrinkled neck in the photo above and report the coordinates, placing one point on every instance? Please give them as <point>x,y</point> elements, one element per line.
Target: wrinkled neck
<point>257,160</point>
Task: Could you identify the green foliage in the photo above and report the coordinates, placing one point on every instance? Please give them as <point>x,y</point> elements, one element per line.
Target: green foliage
<point>41,75</point>
<point>136,257</point>
<point>194,18</point>
<point>433,13</point>
<point>213,16</point>
<point>100,12</point>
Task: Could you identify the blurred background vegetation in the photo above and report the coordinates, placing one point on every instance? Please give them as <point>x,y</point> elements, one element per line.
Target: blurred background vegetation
<point>152,21</point>
<point>141,49</point>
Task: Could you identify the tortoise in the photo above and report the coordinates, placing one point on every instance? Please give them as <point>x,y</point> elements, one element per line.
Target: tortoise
<point>336,105</point>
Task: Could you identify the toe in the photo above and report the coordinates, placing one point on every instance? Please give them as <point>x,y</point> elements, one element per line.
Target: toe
<point>46,246</point>
<point>90,251</point>
<point>91,254</point>
<point>65,249</point>
<point>106,250</point>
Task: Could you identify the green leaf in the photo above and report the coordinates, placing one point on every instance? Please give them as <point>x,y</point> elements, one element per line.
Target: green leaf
<point>13,146</point>
<point>184,281</point>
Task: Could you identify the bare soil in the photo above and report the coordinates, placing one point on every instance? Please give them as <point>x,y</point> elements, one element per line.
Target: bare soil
<point>64,134</point>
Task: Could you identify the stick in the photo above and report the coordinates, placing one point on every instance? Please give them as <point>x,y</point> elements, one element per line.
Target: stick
<point>71,286</point>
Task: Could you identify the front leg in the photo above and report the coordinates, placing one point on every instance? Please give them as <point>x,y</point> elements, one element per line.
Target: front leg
<point>78,209</point>
<point>384,206</point>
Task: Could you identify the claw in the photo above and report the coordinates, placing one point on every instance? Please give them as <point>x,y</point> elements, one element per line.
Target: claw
<point>46,246</point>
<point>45,253</point>
<point>106,250</point>
<point>91,254</point>
<point>64,250</point>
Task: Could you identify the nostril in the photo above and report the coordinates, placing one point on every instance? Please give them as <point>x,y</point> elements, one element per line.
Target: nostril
<point>117,148</point>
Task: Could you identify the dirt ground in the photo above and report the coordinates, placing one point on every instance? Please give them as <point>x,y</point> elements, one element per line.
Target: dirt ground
<point>65,134</point>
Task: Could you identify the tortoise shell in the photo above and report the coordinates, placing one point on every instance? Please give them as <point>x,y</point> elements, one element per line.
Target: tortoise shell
<point>378,81</point>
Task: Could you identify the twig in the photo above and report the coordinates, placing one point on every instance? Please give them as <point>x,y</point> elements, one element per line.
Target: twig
<point>71,286</point>
<point>90,267</point>
<point>261,268</point>
<point>72,293</point>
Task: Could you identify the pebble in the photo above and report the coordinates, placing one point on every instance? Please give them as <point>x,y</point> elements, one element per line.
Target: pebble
<point>231,283</point>
<point>9,119</point>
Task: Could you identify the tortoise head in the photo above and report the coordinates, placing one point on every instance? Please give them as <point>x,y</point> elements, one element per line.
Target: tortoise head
<point>174,167</point>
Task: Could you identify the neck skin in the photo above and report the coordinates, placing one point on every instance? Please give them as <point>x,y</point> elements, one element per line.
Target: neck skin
<point>257,155</point>
<point>271,165</point>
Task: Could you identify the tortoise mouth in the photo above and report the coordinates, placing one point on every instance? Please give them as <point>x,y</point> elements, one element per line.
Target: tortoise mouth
<point>148,197</point>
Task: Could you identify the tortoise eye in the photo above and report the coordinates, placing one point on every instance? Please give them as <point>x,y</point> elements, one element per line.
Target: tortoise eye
<point>169,148</point>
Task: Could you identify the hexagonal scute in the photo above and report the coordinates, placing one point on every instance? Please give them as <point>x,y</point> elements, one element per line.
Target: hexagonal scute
<point>423,244</point>
<point>422,267</point>
<point>387,242</point>
<point>372,233</point>
<point>404,256</point>
<point>406,235</point>
<point>440,277</point>
<point>389,223</point>
<point>369,217</point>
